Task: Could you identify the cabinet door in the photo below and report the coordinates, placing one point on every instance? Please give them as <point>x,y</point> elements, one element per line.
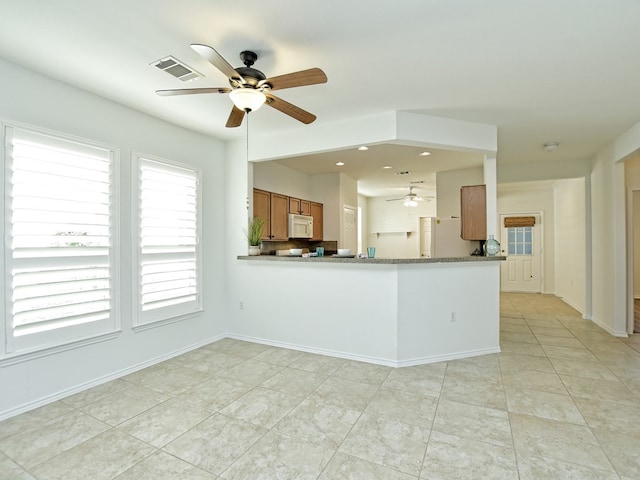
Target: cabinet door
<point>294,205</point>
<point>473,212</point>
<point>299,207</point>
<point>317,212</point>
<point>305,207</point>
<point>262,209</point>
<point>279,217</point>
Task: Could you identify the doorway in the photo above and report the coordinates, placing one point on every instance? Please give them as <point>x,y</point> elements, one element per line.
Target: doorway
<point>350,228</point>
<point>634,257</point>
<point>425,237</point>
<point>521,243</point>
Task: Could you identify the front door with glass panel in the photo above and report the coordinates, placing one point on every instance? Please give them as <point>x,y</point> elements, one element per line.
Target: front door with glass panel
<point>523,249</point>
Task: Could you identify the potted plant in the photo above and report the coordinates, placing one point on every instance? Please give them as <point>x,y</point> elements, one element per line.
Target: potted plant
<point>254,235</point>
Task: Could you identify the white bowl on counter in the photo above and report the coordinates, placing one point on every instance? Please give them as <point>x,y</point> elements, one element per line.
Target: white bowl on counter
<point>295,251</point>
<point>343,252</point>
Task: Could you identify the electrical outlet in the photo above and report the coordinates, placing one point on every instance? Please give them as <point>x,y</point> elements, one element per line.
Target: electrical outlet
<point>453,317</point>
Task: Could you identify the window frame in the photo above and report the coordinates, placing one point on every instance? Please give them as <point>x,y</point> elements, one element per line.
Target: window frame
<point>143,320</point>
<point>61,338</point>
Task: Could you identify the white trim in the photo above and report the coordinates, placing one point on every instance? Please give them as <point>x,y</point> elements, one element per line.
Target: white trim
<point>21,357</point>
<point>365,358</point>
<point>104,379</point>
<point>169,312</point>
<point>608,329</point>
<point>630,259</point>
<point>55,338</point>
<point>568,302</point>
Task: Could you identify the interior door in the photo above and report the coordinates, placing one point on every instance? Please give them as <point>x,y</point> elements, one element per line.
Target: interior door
<point>522,246</point>
<point>350,234</point>
<point>425,237</point>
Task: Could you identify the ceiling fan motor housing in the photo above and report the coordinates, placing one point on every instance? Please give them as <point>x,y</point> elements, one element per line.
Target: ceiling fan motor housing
<point>252,76</point>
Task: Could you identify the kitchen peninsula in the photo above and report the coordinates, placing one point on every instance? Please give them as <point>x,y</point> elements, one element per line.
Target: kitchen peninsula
<point>395,312</point>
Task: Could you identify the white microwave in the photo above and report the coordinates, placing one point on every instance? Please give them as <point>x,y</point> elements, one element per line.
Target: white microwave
<point>300,226</point>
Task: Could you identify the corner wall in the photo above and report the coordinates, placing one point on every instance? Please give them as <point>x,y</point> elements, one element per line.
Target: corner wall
<point>570,242</point>
<point>610,298</point>
<point>39,101</point>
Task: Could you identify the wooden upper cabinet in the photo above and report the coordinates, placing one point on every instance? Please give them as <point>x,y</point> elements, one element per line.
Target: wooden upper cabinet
<point>274,209</point>
<point>473,212</point>
<point>317,212</point>
<point>262,209</point>
<point>279,217</point>
<point>299,207</point>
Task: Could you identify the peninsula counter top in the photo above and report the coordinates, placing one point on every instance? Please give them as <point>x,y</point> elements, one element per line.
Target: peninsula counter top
<point>379,261</point>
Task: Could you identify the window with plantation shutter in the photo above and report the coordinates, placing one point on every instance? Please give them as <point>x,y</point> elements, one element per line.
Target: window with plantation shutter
<point>168,241</point>
<point>59,247</point>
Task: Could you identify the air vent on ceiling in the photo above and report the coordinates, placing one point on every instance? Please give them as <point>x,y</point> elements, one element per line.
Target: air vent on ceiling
<point>417,182</point>
<point>176,68</point>
<point>406,172</point>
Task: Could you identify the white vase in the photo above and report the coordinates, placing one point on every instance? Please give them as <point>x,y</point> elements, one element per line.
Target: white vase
<point>254,249</point>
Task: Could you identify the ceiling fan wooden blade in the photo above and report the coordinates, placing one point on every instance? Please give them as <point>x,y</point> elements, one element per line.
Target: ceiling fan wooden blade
<point>290,109</point>
<point>217,60</point>
<point>191,91</point>
<point>312,76</point>
<point>235,117</point>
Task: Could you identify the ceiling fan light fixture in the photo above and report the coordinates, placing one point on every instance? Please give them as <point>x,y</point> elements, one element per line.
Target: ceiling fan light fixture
<point>247,99</point>
<point>410,202</point>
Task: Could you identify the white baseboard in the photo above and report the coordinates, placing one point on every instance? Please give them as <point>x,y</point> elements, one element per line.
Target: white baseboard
<point>369,359</point>
<point>610,330</point>
<point>104,379</point>
<point>445,358</point>
<point>574,306</point>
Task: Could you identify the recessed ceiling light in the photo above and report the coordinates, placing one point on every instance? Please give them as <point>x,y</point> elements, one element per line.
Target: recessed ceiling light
<point>339,164</point>
<point>362,148</point>
<point>550,146</point>
<point>425,154</point>
<point>387,167</point>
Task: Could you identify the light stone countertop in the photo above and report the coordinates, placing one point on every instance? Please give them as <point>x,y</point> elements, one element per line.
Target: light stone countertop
<point>379,261</point>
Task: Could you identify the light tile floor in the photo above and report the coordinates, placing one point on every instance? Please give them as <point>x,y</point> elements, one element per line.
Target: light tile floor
<point>562,401</point>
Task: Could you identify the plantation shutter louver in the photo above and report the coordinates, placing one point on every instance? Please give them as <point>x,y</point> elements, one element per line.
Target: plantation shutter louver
<point>168,241</point>
<point>60,216</point>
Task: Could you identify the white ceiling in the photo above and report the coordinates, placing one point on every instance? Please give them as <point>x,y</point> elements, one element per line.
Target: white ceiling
<point>543,70</point>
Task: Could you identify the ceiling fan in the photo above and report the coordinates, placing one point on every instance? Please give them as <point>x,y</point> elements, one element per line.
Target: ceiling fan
<point>250,88</point>
<point>411,199</point>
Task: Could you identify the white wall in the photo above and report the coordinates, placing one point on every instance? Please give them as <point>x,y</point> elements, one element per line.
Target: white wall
<point>611,298</point>
<point>530,198</point>
<point>273,177</point>
<point>395,229</point>
<point>570,242</point>
<point>42,102</point>
<point>448,189</point>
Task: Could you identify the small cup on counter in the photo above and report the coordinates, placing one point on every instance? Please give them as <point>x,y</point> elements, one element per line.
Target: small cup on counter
<point>320,251</point>
<point>371,252</point>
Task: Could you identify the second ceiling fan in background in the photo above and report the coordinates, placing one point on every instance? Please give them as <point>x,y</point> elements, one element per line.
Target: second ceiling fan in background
<point>250,88</point>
